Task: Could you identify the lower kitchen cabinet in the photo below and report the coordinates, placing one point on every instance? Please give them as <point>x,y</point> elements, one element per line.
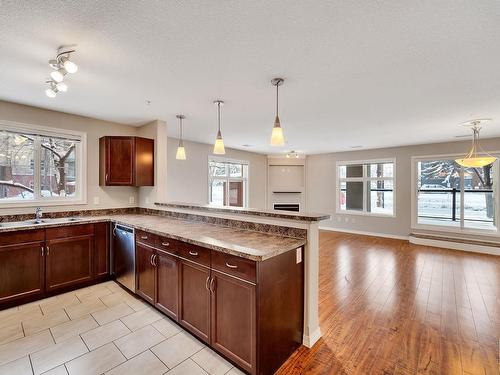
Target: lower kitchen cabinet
<point>167,283</point>
<point>101,250</point>
<point>145,272</point>
<point>233,319</point>
<point>69,261</point>
<point>194,305</point>
<point>22,270</point>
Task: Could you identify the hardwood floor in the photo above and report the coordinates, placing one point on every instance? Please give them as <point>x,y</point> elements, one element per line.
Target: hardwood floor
<point>390,307</point>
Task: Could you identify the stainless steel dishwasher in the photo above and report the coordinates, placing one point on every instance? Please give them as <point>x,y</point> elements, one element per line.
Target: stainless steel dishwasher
<point>123,256</point>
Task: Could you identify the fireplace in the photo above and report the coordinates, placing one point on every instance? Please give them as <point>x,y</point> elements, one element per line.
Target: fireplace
<point>287,206</point>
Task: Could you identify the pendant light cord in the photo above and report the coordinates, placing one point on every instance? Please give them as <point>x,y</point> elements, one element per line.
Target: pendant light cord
<point>218,116</point>
<point>180,127</point>
<point>277,101</point>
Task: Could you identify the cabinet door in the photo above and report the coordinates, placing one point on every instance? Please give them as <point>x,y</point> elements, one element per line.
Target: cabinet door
<point>233,328</point>
<point>22,271</point>
<point>194,309</point>
<point>69,261</point>
<point>145,274</point>
<point>167,284</point>
<point>119,161</point>
<point>101,250</point>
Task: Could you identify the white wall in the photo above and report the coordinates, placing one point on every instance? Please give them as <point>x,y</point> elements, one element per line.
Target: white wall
<point>187,180</point>
<point>109,197</point>
<point>321,180</point>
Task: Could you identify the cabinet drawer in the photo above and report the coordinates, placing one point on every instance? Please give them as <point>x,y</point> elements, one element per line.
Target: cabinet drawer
<point>195,253</point>
<point>69,231</point>
<point>170,245</point>
<point>21,236</point>
<point>240,267</point>
<point>145,237</point>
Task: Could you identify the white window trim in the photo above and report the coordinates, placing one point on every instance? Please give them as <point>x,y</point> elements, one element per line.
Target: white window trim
<point>221,159</point>
<point>81,165</point>
<point>339,211</point>
<point>444,228</point>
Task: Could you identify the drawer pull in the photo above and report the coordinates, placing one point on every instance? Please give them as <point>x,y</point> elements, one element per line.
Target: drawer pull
<point>231,265</point>
<point>167,244</point>
<point>206,283</point>
<point>144,237</point>
<point>193,253</point>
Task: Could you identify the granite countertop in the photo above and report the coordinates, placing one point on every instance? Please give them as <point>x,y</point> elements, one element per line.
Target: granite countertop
<point>289,215</point>
<point>244,243</point>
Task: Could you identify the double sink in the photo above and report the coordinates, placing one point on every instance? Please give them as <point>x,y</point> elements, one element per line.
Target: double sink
<point>27,223</point>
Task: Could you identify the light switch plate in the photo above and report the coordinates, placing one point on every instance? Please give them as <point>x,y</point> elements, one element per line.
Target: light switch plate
<point>298,255</point>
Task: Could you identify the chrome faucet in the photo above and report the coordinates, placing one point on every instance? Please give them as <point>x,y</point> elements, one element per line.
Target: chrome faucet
<point>38,215</point>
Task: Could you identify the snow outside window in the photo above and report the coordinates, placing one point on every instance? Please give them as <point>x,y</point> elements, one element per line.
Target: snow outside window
<point>227,182</point>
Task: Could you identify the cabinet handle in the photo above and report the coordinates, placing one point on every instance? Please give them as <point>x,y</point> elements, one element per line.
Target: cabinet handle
<point>193,253</point>
<point>48,249</point>
<point>151,260</point>
<point>231,265</point>
<point>165,244</point>
<point>206,283</point>
<point>42,249</point>
<point>212,284</point>
<point>114,231</point>
<point>144,237</point>
<point>155,258</point>
<point>106,178</point>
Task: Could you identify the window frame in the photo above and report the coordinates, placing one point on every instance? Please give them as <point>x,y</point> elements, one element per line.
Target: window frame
<point>228,178</point>
<point>80,165</point>
<point>452,229</point>
<point>365,179</point>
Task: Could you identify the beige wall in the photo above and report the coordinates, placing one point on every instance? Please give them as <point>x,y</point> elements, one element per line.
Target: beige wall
<point>321,180</point>
<point>109,197</point>
<point>188,179</point>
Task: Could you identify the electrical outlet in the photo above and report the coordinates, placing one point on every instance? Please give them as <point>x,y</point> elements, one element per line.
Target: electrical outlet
<point>96,200</point>
<point>131,200</point>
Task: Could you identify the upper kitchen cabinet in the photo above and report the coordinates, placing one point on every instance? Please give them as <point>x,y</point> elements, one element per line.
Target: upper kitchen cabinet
<point>126,161</point>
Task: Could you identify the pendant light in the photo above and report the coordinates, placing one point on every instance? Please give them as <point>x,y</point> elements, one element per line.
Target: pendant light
<point>277,138</point>
<point>219,143</point>
<point>472,159</point>
<point>181,151</point>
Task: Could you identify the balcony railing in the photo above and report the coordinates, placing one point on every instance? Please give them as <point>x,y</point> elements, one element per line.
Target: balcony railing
<point>453,209</point>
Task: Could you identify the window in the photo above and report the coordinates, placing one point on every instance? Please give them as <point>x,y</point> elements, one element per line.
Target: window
<point>456,197</point>
<point>227,182</point>
<point>39,166</point>
<point>366,187</point>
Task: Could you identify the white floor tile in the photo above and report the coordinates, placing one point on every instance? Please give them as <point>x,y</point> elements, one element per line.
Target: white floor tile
<point>188,367</point>
<point>102,335</point>
<point>52,319</point>
<point>21,366</point>
<point>11,333</point>
<point>112,313</point>
<point>211,362</point>
<point>166,327</point>
<point>176,349</point>
<point>72,328</point>
<point>60,370</point>
<point>141,318</point>
<point>139,341</point>
<point>145,363</point>
<point>27,345</point>
<point>58,354</point>
<point>85,308</point>
<point>96,362</point>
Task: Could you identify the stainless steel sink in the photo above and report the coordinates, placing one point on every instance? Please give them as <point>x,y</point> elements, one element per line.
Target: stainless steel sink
<point>26,223</point>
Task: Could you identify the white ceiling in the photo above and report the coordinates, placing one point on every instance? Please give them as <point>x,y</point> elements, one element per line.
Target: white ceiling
<point>369,73</point>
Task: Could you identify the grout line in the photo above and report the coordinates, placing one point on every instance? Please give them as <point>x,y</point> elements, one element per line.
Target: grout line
<point>84,343</point>
<point>31,364</point>
<point>168,368</point>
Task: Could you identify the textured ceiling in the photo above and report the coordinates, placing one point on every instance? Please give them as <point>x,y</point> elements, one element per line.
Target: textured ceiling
<point>358,73</point>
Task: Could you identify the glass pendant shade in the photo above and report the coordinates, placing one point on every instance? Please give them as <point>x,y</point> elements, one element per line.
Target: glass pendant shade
<point>277,138</point>
<point>473,159</point>
<point>181,152</point>
<point>219,145</point>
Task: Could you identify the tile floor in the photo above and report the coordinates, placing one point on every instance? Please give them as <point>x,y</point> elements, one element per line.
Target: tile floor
<point>100,330</point>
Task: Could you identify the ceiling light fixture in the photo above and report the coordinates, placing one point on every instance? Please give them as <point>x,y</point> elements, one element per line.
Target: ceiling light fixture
<point>181,151</point>
<point>62,65</point>
<point>52,91</point>
<point>219,143</point>
<point>472,159</point>
<point>292,155</point>
<point>277,138</point>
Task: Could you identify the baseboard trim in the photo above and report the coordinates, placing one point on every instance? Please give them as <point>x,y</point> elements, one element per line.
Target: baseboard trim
<point>364,233</point>
<point>450,244</point>
<point>309,340</point>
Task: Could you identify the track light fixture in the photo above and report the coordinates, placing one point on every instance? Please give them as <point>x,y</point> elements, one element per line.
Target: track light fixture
<point>62,65</point>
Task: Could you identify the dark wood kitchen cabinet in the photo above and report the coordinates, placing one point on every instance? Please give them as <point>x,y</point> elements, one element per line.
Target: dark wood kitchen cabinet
<point>126,161</point>
<point>194,304</point>
<point>22,270</point>
<point>145,272</point>
<point>101,250</point>
<point>69,256</point>
<point>167,283</point>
